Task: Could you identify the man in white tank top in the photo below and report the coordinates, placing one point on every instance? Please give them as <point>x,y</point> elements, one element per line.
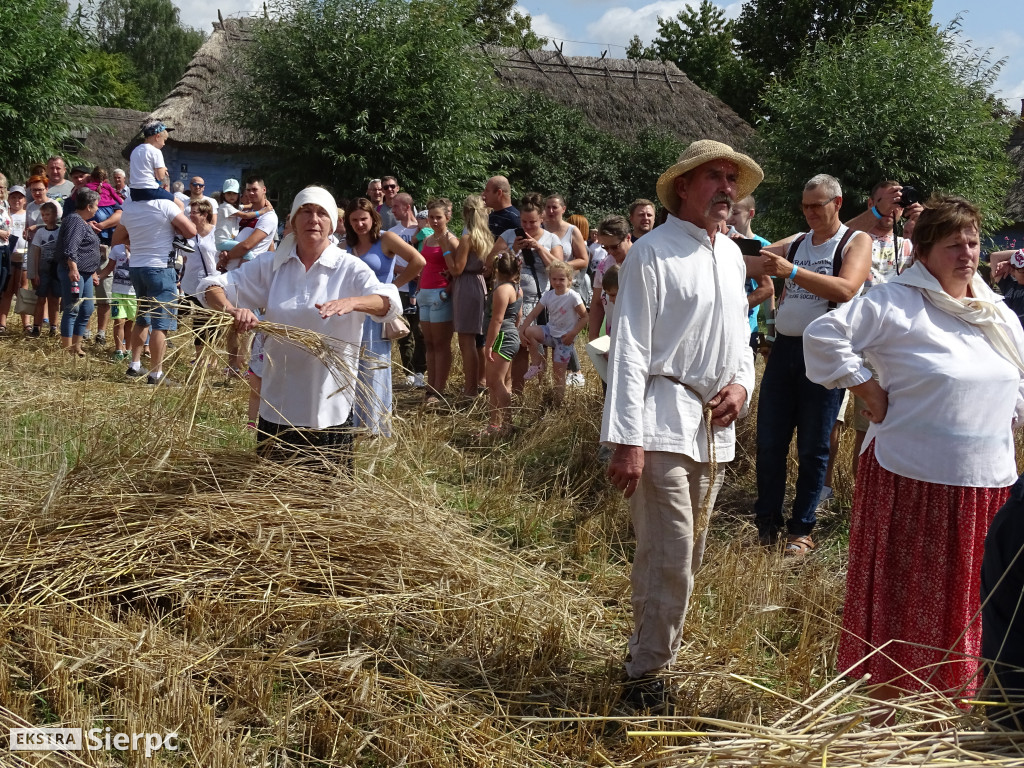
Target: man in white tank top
<point>789,401</point>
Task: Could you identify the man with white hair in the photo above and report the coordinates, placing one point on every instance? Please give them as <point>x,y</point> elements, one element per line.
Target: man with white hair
<point>823,268</point>
<point>679,350</point>
<point>121,183</point>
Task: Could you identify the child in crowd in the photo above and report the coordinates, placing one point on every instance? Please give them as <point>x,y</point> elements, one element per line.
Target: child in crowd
<point>562,304</point>
<point>109,200</point>
<point>42,269</point>
<point>149,172</point>
<point>123,304</point>
<point>502,340</point>
<point>598,348</point>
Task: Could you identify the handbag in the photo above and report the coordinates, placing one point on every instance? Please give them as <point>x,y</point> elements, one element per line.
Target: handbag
<point>396,329</point>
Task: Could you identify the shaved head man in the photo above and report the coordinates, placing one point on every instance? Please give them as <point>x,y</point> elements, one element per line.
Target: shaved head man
<point>497,196</point>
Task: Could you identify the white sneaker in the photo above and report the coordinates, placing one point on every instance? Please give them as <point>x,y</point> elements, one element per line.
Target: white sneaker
<point>575,379</point>
<point>417,380</point>
<point>410,380</point>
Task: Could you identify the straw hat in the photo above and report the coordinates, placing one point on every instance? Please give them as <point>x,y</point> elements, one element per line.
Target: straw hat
<point>704,151</point>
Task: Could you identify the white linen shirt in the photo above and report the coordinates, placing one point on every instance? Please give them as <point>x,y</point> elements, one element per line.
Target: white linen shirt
<point>953,400</point>
<point>298,389</point>
<point>681,311</point>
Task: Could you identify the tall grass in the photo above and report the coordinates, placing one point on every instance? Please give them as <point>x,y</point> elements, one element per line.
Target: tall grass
<point>454,603</point>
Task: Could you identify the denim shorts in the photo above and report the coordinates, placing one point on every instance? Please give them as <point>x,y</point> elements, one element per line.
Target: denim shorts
<point>156,289</point>
<point>434,308</point>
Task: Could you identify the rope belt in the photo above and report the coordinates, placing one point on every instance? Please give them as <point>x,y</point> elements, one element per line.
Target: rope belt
<point>703,517</point>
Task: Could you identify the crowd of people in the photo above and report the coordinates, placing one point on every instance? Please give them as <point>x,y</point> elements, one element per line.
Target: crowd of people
<point>904,324</point>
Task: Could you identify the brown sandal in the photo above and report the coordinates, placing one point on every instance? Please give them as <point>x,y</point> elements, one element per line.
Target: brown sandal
<point>798,546</point>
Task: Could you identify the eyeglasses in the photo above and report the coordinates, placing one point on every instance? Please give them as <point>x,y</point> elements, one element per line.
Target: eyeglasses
<point>814,207</point>
<point>390,186</point>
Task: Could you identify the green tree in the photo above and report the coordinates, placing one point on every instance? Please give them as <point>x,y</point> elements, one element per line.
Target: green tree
<point>40,76</point>
<point>390,87</point>
<point>772,34</point>
<point>150,35</point>
<point>887,102</point>
<point>701,43</point>
<point>109,81</point>
<point>498,22</point>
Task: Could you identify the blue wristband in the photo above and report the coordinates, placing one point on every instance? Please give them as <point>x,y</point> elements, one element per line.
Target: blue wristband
<point>793,273</point>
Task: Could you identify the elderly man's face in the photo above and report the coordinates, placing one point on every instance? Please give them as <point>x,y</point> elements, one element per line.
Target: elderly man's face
<point>707,193</point>
<point>119,181</point>
<point>375,192</point>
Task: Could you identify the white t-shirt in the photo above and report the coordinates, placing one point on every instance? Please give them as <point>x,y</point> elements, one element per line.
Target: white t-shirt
<point>532,289</point>
<point>122,277</point>
<point>226,227</point>
<point>150,231</point>
<point>17,230</point>
<point>265,223</point>
<point>201,264</point>
<point>145,160</point>
<point>561,310</point>
<point>407,234</point>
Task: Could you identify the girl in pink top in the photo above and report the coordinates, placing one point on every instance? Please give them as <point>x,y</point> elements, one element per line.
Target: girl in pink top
<point>434,299</point>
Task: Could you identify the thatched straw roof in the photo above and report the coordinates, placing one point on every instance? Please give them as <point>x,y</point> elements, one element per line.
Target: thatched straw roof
<point>617,95</point>
<point>1015,197</point>
<point>622,96</point>
<point>195,108</point>
<point>108,133</point>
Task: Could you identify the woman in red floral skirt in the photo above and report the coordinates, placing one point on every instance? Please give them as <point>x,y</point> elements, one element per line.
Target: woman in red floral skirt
<point>938,459</point>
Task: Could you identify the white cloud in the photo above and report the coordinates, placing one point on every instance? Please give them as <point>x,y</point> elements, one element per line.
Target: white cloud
<point>201,13</point>
<point>618,25</point>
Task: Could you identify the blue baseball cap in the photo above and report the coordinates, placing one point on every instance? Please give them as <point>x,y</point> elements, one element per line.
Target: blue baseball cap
<point>153,127</point>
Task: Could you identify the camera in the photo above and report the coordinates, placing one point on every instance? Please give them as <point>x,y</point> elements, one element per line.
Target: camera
<point>908,196</point>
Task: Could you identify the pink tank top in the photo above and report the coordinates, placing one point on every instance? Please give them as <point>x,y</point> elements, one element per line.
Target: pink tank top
<point>432,277</point>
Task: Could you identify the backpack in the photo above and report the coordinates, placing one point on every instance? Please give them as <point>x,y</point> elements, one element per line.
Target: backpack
<point>837,255</point>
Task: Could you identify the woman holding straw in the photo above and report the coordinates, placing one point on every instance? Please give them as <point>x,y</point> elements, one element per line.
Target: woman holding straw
<point>936,465</point>
<point>309,381</point>
<point>377,250</point>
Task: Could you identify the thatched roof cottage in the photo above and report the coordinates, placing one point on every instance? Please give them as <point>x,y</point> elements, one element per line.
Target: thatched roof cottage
<point>617,95</point>
<point>106,133</point>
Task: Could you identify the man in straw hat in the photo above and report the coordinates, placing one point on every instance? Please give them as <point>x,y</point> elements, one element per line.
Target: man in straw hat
<point>680,347</point>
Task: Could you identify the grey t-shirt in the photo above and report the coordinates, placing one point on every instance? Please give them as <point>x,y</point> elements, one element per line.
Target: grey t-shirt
<point>533,280</point>
<point>799,306</point>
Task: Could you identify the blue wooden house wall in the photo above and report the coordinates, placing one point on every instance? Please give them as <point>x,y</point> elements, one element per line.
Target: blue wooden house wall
<point>214,167</point>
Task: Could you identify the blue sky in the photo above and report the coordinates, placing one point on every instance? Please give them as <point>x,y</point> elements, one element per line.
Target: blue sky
<point>597,25</point>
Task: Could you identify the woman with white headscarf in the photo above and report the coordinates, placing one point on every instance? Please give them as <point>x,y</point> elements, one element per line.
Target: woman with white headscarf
<point>938,459</point>
<point>308,283</point>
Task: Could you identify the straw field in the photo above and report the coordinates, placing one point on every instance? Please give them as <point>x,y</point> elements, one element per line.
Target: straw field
<point>455,603</point>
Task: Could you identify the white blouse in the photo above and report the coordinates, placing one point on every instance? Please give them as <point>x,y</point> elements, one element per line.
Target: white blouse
<point>298,389</point>
<point>953,400</point>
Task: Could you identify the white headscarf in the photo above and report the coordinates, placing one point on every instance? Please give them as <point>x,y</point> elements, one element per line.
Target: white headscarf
<point>979,309</point>
<point>317,196</point>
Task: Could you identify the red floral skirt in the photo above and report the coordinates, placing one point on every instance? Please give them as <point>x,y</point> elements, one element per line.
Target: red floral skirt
<point>912,617</point>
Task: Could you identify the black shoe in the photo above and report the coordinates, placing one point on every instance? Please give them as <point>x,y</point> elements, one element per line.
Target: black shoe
<point>136,374</point>
<point>647,692</point>
<point>181,244</point>
<point>161,379</point>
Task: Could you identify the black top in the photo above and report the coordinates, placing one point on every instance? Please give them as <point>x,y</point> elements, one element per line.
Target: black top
<point>77,241</point>
<point>505,219</point>
<point>1013,295</point>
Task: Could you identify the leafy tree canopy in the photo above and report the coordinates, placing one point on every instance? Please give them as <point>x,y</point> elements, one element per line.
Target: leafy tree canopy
<point>150,36</point>
<point>773,34</point>
<point>41,73</point>
<point>498,22</point>
<point>888,102</point>
<point>390,87</point>
<point>701,43</point>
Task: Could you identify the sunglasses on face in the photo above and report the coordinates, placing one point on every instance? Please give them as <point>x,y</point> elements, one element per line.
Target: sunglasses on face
<point>390,186</point>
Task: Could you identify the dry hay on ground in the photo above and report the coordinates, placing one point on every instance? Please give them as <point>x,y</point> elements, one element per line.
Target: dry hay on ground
<point>456,603</point>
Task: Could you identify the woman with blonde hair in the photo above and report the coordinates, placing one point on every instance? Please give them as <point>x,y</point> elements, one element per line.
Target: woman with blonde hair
<point>469,290</point>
